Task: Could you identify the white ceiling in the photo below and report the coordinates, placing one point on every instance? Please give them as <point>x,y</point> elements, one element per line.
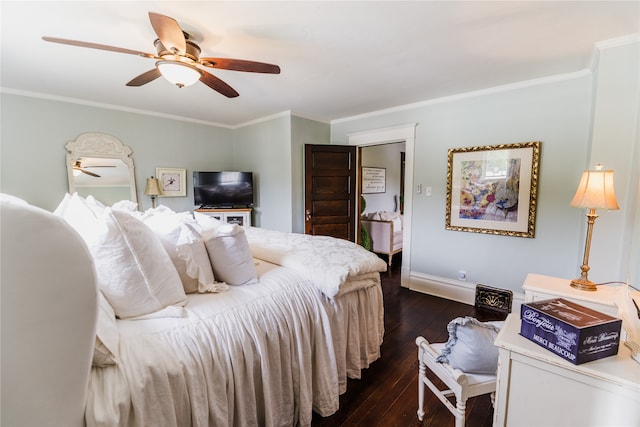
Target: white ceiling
<point>338,59</point>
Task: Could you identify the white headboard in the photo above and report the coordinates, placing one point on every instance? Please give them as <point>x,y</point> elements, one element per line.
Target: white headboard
<point>48,317</point>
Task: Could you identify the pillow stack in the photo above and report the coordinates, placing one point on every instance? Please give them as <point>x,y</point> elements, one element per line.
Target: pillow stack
<point>147,262</point>
<point>181,238</point>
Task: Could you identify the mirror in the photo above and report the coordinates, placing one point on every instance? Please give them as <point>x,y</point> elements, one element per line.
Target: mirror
<point>101,165</point>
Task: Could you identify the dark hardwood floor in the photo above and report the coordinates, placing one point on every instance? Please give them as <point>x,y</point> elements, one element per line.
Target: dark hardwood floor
<point>387,393</point>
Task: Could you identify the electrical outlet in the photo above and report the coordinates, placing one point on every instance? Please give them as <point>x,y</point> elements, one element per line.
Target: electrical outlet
<point>462,275</point>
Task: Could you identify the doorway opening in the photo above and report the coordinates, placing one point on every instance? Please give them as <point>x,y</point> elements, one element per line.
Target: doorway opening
<point>397,134</point>
<point>382,199</point>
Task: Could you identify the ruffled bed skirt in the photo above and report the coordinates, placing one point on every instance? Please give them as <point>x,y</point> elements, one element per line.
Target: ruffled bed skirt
<point>260,355</point>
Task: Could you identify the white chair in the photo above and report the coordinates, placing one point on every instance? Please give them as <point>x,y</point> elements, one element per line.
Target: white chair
<point>386,233</point>
<point>461,385</point>
<point>49,306</point>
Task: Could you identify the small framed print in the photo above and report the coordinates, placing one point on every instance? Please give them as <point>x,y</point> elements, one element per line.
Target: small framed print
<point>373,180</point>
<point>173,182</point>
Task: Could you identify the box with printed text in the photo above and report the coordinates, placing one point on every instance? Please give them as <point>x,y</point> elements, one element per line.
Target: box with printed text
<point>572,331</point>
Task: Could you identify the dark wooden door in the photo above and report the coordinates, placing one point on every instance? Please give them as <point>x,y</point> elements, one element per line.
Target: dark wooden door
<point>330,191</point>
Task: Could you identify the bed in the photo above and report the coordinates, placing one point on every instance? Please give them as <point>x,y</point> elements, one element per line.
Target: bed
<point>264,348</point>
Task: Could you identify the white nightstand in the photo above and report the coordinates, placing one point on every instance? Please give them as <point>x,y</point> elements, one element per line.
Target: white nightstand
<point>538,287</point>
<point>538,388</point>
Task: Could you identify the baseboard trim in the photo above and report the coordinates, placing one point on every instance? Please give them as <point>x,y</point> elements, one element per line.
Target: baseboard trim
<point>455,290</point>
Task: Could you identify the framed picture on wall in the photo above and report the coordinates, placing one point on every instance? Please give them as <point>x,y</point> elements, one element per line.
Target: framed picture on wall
<point>492,189</point>
<point>173,182</point>
<point>374,180</point>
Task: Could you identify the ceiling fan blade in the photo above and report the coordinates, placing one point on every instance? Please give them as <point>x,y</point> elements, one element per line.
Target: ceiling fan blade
<point>218,85</point>
<point>240,65</point>
<point>169,32</point>
<point>145,77</point>
<point>97,46</point>
<point>95,175</point>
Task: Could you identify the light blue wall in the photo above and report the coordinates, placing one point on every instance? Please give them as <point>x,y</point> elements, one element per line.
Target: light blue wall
<point>615,144</point>
<point>303,131</point>
<point>274,150</point>
<point>34,132</point>
<point>264,148</point>
<point>558,114</point>
<point>579,120</point>
<point>562,113</point>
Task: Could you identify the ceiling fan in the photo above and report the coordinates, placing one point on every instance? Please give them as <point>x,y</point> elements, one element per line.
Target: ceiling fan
<point>178,58</point>
<point>78,169</point>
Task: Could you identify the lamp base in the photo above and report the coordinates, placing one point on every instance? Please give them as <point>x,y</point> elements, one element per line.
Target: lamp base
<point>584,284</point>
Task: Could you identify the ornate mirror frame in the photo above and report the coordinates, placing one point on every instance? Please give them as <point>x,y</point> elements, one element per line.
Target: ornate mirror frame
<point>99,145</point>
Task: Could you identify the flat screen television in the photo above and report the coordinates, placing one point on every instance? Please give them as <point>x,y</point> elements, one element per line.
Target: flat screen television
<point>223,189</point>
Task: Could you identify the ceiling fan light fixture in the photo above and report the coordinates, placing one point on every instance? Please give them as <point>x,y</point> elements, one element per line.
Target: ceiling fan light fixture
<point>179,73</point>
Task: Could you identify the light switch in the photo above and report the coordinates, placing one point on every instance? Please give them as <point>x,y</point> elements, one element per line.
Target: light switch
<point>427,191</point>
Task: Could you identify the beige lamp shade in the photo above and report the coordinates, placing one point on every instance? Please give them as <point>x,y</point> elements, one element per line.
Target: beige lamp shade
<point>152,188</point>
<point>596,191</point>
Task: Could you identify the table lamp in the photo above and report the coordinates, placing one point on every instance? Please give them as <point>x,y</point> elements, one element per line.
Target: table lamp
<point>152,189</point>
<point>594,192</point>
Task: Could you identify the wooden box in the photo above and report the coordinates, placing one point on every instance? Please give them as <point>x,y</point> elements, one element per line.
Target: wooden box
<point>572,331</point>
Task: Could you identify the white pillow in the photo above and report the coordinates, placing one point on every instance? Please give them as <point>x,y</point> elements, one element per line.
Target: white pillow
<point>107,336</point>
<point>134,271</point>
<point>8,198</point>
<point>180,235</point>
<point>470,346</point>
<point>82,215</point>
<point>228,250</point>
<point>128,206</point>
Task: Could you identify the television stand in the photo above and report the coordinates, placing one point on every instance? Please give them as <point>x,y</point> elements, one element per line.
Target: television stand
<point>240,216</point>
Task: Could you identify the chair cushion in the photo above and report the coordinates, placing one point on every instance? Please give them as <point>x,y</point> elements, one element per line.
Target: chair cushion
<point>470,346</point>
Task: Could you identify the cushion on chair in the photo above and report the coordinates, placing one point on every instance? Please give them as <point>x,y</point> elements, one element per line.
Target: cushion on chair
<point>470,346</point>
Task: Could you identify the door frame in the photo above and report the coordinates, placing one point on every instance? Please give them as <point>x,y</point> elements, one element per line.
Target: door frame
<point>402,133</point>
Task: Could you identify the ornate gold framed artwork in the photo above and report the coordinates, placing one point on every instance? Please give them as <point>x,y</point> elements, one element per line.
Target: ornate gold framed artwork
<point>492,189</point>
<point>173,182</point>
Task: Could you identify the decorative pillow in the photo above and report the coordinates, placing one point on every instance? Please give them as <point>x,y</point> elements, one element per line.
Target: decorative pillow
<point>374,215</point>
<point>133,269</point>
<point>95,205</point>
<point>107,336</point>
<point>128,206</point>
<point>470,346</point>
<point>82,215</point>
<point>180,235</point>
<point>228,250</point>
<point>394,217</point>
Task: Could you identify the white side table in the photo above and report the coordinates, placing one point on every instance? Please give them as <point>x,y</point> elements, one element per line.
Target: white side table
<point>537,388</point>
<point>538,287</point>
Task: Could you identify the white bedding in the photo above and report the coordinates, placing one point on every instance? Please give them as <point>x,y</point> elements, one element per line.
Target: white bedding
<point>265,354</point>
<point>218,367</point>
<point>335,266</point>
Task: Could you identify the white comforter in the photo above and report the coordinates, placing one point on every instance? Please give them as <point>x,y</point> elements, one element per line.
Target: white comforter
<point>254,355</point>
<point>335,266</point>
